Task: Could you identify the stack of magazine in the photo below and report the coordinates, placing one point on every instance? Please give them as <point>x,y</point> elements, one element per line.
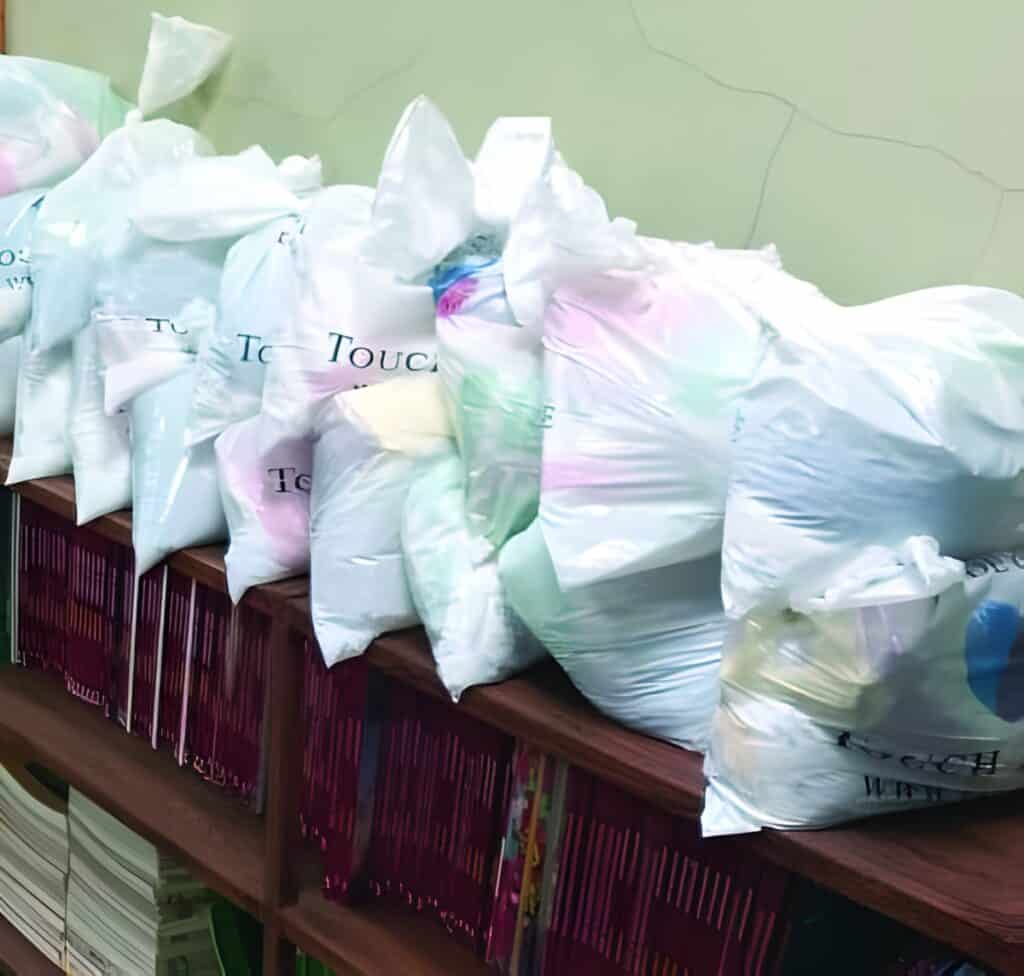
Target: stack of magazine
<point>130,909</point>
<point>33,859</point>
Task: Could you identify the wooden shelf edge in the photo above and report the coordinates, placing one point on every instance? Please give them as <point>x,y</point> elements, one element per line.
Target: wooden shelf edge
<point>375,940</point>
<point>19,956</point>
<point>220,841</point>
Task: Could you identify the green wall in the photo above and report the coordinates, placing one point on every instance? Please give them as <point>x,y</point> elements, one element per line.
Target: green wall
<point>878,143</point>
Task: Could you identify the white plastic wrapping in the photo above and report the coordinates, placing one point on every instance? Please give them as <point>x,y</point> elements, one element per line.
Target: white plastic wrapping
<point>266,503</point>
<point>642,375</point>
<point>370,444</point>
<point>17,218</point>
<point>492,370</point>
<point>52,118</point>
<point>258,292</point>
<point>86,218</point>
<point>861,707</point>
<point>645,649</point>
<point>453,578</point>
<point>175,497</point>
<point>83,222</point>
<point>868,425</point>
<point>41,447</point>
<point>99,444</point>
<point>364,315</point>
<point>181,55</point>
<point>10,363</point>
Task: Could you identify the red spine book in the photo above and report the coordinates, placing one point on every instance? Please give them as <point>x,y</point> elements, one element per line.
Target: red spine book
<point>42,588</point>
<point>333,715</point>
<point>93,616</point>
<point>178,629</point>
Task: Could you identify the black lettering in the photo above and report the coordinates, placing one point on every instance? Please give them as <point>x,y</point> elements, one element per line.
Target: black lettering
<point>338,337</point>
<point>352,357</point>
<point>986,763</point>
<point>384,361</point>
<point>303,482</point>
<point>259,355</point>
<point>282,484</point>
<point>247,343</point>
<point>408,361</point>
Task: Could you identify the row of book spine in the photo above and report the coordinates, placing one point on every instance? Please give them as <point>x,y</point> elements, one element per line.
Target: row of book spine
<point>541,868</point>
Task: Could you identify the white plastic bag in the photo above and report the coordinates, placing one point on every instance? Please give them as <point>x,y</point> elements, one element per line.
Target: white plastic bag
<point>99,445</point>
<point>642,374</point>
<point>266,503</point>
<point>85,220</point>
<point>175,499</point>
<point>17,218</point>
<point>854,708</point>
<point>364,313</point>
<point>41,447</point>
<point>453,579</point>
<point>138,351</point>
<point>51,119</point>
<point>868,425</point>
<point>645,649</point>
<point>370,444</point>
<point>208,202</point>
<point>492,370</point>
<point>10,363</point>
<point>180,56</point>
<point>258,291</point>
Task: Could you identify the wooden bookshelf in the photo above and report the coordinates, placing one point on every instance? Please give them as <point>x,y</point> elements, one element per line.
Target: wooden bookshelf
<point>956,873</point>
<point>18,957</point>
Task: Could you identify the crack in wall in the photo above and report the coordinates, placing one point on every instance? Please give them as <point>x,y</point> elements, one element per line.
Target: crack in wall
<point>795,110</point>
<point>767,176</point>
<point>810,117</point>
<point>328,119</point>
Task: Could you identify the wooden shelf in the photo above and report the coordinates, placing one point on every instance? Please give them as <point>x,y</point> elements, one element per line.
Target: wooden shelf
<point>18,957</point>
<point>955,873</point>
<point>221,841</point>
<point>378,940</point>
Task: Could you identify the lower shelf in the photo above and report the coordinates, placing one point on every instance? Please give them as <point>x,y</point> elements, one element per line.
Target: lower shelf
<point>375,940</point>
<point>18,957</point>
<point>220,841</point>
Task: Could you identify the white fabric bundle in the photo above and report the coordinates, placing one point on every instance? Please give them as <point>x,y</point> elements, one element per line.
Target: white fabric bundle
<point>52,118</point>
<point>99,444</point>
<point>868,425</point>
<point>83,224</point>
<point>175,497</point>
<point>642,374</point>
<point>645,649</point>
<point>43,403</point>
<point>370,444</point>
<point>248,199</point>
<point>453,578</point>
<point>266,503</point>
<point>530,212</point>
<point>155,297</point>
<point>900,686</point>
<point>10,363</point>
<point>363,314</point>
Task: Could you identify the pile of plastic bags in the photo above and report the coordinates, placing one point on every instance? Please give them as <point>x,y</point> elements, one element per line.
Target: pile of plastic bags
<point>740,517</point>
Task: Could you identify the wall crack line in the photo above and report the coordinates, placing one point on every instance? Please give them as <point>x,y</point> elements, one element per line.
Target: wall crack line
<point>810,117</point>
<point>754,223</point>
